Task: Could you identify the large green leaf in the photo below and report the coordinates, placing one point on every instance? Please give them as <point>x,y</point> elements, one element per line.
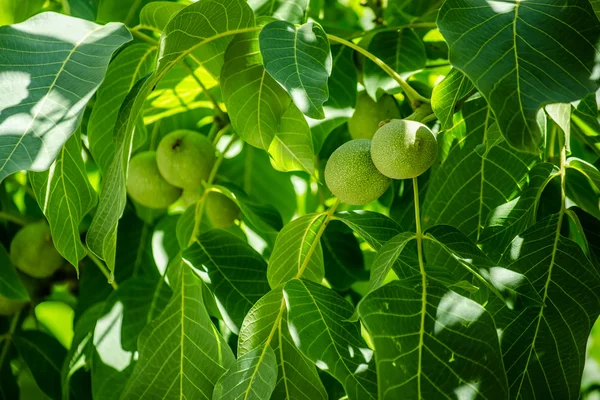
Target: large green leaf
<point>48,76</point>
<point>387,255</point>
<point>65,196</point>
<point>480,173</point>
<point>290,10</point>
<point>342,256</point>
<point>292,148</point>
<point>318,319</point>
<point>209,26</point>
<point>44,356</point>
<point>125,11</point>
<point>235,272</point>
<point>296,242</point>
<point>102,235</point>
<point>126,69</point>
<point>158,13</point>
<point>181,353</point>
<point>522,55</point>
<point>402,50</point>
<point>255,101</point>
<point>432,343</point>
<point>544,346</point>
<point>448,94</point>
<point>509,219</point>
<point>587,169</point>
<point>374,228</point>
<point>300,60</point>
<point>11,286</point>
<point>252,377</point>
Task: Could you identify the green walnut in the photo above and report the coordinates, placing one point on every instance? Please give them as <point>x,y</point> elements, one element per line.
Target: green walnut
<point>146,185</point>
<point>190,197</point>
<point>221,210</point>
<point>403,149</point>
<point>33,252</point>
<point>351,175</point>
<point>185,158</point>
<point>368,114</point>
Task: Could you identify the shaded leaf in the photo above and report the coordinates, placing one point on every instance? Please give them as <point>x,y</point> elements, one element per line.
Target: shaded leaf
<point>235,273</point>
<point>318,322</point>
<point>181,352</point>
<point>48,80</point>
<point>11,286</point>
<point>300,60</point>
<point>298,251</point>
<point>342,256</point>
<point>498,46</point>
<point>374,228</point>
<point>402,50</point>
<point>431,342</point>
<point>289,10</point>
<point>65,196</point>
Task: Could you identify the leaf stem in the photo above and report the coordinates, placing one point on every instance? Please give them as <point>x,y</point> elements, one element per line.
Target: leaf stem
<point>8,337</point>
<point>110,276</point>
<point>12,218</point>
<point>144,37</point>
<point>415,98</point>
<point>423,280</point>
<point>217,108</point>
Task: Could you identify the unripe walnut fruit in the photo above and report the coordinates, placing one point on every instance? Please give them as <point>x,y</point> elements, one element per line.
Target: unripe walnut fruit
<point>146,185</point>
<point>221,210</point>
<point>403,149</point>
<point>185,158</point>
<point>33,252</point>
<point>351,175</point>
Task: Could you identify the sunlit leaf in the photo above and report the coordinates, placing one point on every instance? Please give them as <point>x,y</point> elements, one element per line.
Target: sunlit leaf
<point>48,76</point>
<point>374,228</point>
<point>65,196</point>
<point>289,10</point>
<point>522,55</point>
<point>448,94</point>
<point>158,13</point>
<point>300,60</point>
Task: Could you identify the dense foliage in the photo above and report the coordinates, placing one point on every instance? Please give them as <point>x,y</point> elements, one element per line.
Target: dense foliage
<point>191,205</point>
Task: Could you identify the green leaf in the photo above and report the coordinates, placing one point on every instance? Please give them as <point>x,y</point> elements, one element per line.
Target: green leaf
<point>449,94</point>
<point>252,377</point>
<point>44,356</point>
<point>289,10</point>
<point>126,312</point>
<point>431,342</point>
<point>544,346</point>
<point>300,60</point>
<point>402,50</point>
<point>342,256</point>
<point>580,192</point>
<point>374,228</point>
<point>298,251</point>
<point>185,33</point>
<point>586,125</point>
<point>234,271</point>
<point>508,220</point>
<point>292,149</point>
<point>158,13</point>
<point>181,352</point>
<point>498,45</point>
<point>255,101</point>
<point>265,325</point>
<point>127,68</point>
<point>587,169</point>
<point>480,173</point>
<point>14,11</point>
<point>48,78</point>
<point>101,237</point>
<point>11,286</point>
<point>318,319</point>
<point>65,196</point>
<point>387,256</point>
<point>117,10</point>
<point>560,113</point>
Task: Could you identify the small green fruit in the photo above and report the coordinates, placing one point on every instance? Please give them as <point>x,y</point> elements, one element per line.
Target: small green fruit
<point>190,197</point>
<point>365,121</point>
<point>185,158</point>
<point>403,149</point>
<point>145,184</point>
<point>351,175</point>
<point>10,306</point>
<point>33,252</point>
<point>221,210</point>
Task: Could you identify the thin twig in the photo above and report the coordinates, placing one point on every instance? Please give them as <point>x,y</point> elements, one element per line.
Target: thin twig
<point>109,276</point>
<point>12,218</point>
